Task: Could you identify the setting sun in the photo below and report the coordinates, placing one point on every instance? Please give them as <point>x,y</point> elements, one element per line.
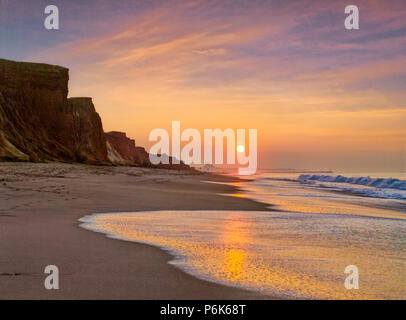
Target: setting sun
<point>240,148</point>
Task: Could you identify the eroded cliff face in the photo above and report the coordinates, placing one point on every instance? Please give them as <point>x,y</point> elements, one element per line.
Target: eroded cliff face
<point>32,100</point>
<point>122,150</point>
<point>39,123</point>
<point>85,126</point>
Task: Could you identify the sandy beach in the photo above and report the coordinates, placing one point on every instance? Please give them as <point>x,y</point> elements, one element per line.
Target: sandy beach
<point>40,205</point>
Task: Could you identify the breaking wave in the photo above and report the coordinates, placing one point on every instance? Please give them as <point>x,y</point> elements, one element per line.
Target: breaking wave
<point>375,185</point>
<point>384,183</point>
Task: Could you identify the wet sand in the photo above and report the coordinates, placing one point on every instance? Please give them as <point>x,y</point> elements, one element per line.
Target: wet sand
<point>40,205</point>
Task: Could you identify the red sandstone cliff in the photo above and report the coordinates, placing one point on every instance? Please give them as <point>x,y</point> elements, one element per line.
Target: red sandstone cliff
<point>86,129</point>
<point>39,123</point>
<point>122,150</point>
<point>32,100</point>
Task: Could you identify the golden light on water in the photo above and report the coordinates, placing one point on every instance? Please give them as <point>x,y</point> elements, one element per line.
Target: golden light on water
<point>234,239</point>
<point>250,250</point>
<point>234,264</point>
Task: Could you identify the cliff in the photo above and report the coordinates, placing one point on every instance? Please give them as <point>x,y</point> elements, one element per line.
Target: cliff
<point>122,150</point>
<point>32,101</point>
<point>86,129</point>
<point>39,123</point>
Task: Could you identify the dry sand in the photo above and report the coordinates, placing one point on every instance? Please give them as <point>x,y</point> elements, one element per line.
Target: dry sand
<point>40,205</point>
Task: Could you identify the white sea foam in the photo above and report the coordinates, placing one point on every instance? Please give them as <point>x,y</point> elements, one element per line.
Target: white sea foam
<point>390,188</point>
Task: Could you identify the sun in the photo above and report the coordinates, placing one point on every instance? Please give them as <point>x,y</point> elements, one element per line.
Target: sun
<point>240,148</point>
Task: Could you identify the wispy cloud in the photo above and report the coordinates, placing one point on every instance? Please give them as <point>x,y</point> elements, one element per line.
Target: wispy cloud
<point>274,65</point>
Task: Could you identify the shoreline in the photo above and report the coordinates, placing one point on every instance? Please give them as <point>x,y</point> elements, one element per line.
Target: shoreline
<point>40,208</point>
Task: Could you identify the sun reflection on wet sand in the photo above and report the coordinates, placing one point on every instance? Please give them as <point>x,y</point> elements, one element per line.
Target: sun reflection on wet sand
<point>234,236</point>
<point>275,252</point>
<point>234,259</point>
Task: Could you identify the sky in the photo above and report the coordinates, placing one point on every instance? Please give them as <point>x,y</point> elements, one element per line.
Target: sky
<point>320,96</point>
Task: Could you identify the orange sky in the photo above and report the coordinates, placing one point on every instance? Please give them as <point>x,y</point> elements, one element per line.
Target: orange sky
<point>320,96</point>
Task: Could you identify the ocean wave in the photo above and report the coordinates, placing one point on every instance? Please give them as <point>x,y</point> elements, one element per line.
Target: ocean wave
<point>388,188</point>
<point>383,183</point>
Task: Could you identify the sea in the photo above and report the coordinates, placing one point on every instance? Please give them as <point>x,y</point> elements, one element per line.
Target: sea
<point>324,236</point>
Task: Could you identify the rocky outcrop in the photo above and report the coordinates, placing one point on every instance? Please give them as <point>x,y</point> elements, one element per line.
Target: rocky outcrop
<point>39,123</point>
<point>85,127</point>
<point>142,157</point>
<point>32,119</point>
<point>122,150</point>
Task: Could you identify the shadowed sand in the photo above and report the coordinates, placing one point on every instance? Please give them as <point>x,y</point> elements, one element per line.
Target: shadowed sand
<point>39,208</point>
